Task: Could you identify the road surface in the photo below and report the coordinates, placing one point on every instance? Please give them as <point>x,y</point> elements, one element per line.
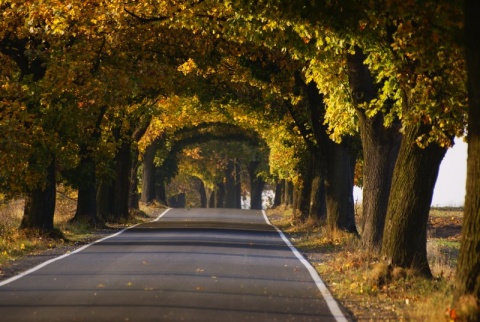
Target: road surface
<point>187,265</point>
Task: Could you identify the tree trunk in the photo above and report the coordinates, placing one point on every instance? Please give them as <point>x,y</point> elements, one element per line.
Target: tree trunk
<point>238,186</point>
<point>87,194</point>
<point>337,163</point>
<point>160,191</point>
<point>40,203</point>
<point>211,200</point>
<point>416,170</point>
<point>278,199</point>
<point>318,203</point>
<point>256,186</point>
<point>148,175</point>
<point>178,201</point>
<point>121,185</point>
<point>203,194</point>
<point>105,199</point>
<point>87,205</point>
<point>380,151</point>
<point>296,199</point>
<point>232,185</point>
<point>289,190</point>
<point>133,195</point>
<point>305,195</point>
<point>220,195</point>
<point>339,188</point>
<point>468,267</point>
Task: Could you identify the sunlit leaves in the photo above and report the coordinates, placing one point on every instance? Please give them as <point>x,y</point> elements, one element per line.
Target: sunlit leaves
<point>192,62</point>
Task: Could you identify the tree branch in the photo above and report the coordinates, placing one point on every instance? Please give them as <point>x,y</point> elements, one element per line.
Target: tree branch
<point>145,20</point>
<point>304,131</point>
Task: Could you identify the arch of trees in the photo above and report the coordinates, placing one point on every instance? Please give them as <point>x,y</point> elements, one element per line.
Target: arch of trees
<point>91,88</point>
<point>224,182</point>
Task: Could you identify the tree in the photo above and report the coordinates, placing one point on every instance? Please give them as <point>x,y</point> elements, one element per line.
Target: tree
<point>256,184</point>
<point>40,189</point>
<point>148,172</point>
<point>380,145</point>
<point>430,119</point>
<point>468,267</point>
<point>414,177</point>
<point>84,177</point>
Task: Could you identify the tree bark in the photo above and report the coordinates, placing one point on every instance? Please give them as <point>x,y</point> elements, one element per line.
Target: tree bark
<point>160,191</point>
<point>238,186</point>
<point>178,201</point>
<point>40,204</point>
<point>416,170</point>
<point>256,186</point>
<point>87,178</point>
<point>220,195</point>
<point>339,187</point>
<point>232,185</point>
<point>278,200</point>
<point>380,151</point>
<point>105,199</point>
<point>296,199</point>
<point>305,192</point>
<point>318,203</point>
<point>87,205</point>
<point>148,175</point>
<point>87,193</point>
<point>121,184</point>
<point>211,200</point>
<point>203,194</point>
<point>133,195</point>
<point>289,191</point>
<point>468,267</point>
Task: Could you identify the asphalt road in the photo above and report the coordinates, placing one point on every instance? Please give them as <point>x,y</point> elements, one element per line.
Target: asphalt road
<point>188,265</point>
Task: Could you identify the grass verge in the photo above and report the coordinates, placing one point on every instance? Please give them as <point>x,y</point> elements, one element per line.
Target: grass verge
<point>16,244</point>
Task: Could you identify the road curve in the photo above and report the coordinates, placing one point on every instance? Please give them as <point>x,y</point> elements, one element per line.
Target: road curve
<point>187,265</point>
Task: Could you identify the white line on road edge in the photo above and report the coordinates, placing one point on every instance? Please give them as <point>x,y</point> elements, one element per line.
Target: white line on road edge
<point>162,214</point>
<point>36,268</point>
<point>331,302</point>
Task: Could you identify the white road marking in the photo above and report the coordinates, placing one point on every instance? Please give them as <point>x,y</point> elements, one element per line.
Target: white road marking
<point>36,268</point>
<point>162,214</point>
<point>331,302</point>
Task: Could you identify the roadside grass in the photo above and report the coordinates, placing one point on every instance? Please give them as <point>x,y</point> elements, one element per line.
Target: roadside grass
<point>369,289</point>
<point>16,244</point>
